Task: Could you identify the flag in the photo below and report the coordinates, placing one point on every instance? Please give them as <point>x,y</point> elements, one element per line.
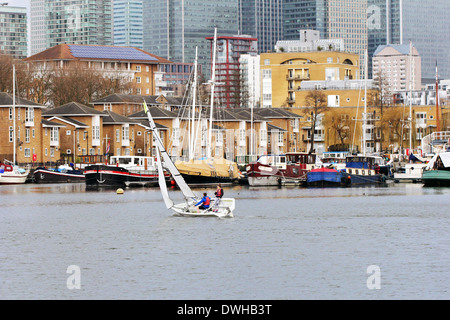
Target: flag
<point>108,147</point>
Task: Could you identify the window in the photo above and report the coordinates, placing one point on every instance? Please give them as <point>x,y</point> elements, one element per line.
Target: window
<point>27,152</point>
<point>266,62</point>
<point>138,79</point>
<point>11,134</point>
<point>117,135</point>
<point>138,68</point>
<point>10,113</point>
<point>27,135</point>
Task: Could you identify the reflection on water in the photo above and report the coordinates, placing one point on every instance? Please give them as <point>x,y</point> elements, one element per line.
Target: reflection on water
<point>284,243</point>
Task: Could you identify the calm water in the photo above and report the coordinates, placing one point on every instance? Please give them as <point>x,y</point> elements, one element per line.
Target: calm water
<point>287,243</point>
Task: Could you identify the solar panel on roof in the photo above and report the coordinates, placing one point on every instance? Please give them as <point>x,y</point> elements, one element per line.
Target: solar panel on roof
<point>116,53</point>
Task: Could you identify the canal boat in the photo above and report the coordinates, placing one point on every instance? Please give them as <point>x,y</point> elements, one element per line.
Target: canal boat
<point>123,171</point>
<point>62,174</point>
<point>437,172</point>
<point>222,208</point>
<point>272,170</point>
<point>12,174</point>
<point>364,170</point>
<point>334,159</point>
<point>327,177</point>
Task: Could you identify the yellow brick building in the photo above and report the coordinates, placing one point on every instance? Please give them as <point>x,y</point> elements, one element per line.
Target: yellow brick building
<point>282,73</point>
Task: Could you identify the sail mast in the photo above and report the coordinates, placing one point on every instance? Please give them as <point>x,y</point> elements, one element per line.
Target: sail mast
<point>14,114</point>
<point>213,84</point>
<point>410,97</point>
<point>438,125</point>
<point>194,95</point>
<point>365,104</point>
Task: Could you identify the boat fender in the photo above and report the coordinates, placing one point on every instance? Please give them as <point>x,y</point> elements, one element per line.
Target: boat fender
<point>119,191</point>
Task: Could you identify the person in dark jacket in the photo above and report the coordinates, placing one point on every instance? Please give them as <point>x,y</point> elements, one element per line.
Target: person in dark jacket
<point>204,203</point>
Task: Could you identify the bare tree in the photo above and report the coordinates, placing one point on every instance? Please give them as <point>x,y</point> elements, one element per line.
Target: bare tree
<point>342,126</point>
<point>316,104</point>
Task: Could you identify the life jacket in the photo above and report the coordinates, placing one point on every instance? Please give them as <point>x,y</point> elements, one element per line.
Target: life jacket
<point>219,193</point>
<point>207,201</point>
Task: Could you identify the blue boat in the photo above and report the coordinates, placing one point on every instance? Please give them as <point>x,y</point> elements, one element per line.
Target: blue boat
<point>327,177</point>
<point>364,170</point>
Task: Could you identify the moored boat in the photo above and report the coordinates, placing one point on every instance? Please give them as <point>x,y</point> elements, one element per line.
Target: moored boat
<point>62,174</point>
<point>327,177</point>
<point>364,170</point>
<point>11,174</point>
<point>437,172</point>
<point>271,170</point>
<point>123,171</point>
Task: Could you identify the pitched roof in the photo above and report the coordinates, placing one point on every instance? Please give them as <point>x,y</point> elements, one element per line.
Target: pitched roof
<point>156,112</point>
<point>70,121</point>
<point>6,99</point>
<point>401,48</point>
<point>114,118</point>
<point>96,52</point>
<point>276,113</point>
<point>73,109</point>
<point>47,123</point>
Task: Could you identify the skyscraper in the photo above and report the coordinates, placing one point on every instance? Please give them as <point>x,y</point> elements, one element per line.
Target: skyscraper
<point>128,27</point>
<point>424,22</point>
<point>174,28</point>
<point>335,19</point>
<point>262,19</point>
<point>13,31</point>
<point>70,21</point>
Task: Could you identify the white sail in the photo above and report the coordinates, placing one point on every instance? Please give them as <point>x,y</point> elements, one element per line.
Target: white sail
<point>162,181</point>
<point>187,192</point>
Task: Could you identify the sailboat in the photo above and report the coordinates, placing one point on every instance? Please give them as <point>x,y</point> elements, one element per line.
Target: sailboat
<point>223,209</point>
<point>206,169</point>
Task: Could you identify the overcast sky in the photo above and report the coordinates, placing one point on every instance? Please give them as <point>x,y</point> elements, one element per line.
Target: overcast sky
<point>17,3</point>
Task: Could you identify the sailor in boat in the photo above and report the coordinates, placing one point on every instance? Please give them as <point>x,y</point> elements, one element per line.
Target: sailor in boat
<point>204,203</point>
<point>219,195</point>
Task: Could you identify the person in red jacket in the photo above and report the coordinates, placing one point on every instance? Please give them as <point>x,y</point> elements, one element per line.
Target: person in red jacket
<point>219,195</point>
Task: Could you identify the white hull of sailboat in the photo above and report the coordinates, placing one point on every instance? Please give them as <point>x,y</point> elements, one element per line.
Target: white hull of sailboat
<point>223,210</point>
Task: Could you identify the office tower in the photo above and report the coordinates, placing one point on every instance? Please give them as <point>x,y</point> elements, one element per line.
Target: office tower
<point>13,31</point>
<point>174,28</point>
<point>303,15</point>
<point>335,19</point>
<point>262,19</point>
<point>424,22</point>
<point>70,21</point>
<point>128,27</point>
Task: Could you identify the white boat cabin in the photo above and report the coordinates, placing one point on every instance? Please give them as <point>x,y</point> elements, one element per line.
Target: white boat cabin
<point>133,162</point>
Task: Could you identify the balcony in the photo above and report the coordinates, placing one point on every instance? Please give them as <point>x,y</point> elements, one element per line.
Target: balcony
<point>298,77</point>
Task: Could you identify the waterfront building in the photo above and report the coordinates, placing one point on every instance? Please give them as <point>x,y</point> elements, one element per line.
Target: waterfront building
<point>36,140</point>
<point>125,64</point>
<point>128,23</point>
<point>262,19</point>
<point>174,29</point>
<point>282,73</point>
<point>425,23</point>
<point>83,132</point>
<point>397,69</point>
<point>13,31</point>
<point>227,75</point>
<point>86,22</point>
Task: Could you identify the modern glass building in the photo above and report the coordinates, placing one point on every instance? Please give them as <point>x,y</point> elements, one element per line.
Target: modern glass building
<point>303,15</point>
<point>262,19</point>
<point>335,19</point>
<point>174,28</point>
<point>128,27</point>
<point>70,21</point>
<point>13,31</point>
<point>424,22</point>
